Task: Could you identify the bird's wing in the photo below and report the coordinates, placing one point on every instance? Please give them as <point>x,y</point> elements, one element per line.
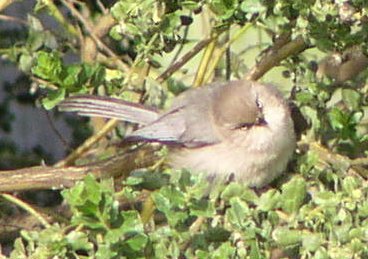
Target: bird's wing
<point>187,123</point>
<point>166,129</point>
<point>177,128</point>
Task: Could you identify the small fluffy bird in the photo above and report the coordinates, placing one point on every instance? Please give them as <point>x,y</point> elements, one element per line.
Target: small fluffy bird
<point>242,128</point>
<point>343,66</point>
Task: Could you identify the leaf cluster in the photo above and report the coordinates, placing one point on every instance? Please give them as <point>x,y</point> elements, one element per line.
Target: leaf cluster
<point>302,218</point>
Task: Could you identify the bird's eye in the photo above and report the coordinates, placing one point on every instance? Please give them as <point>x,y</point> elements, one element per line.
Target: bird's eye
<point>261,121</point>
<point>242,126</point>
<point>259,104</point>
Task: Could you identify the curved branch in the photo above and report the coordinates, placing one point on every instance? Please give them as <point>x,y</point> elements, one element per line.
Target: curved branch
<point>275,55</point>
<point>48,177</point>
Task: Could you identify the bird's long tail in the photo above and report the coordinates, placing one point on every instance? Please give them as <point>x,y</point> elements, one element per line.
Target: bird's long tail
<point>107,107</point>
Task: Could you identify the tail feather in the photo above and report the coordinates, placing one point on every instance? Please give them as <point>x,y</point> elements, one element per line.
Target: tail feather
<point>99,106</point>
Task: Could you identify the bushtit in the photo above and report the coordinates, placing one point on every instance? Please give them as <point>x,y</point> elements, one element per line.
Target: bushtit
<point>345,66</point>
<point>240,127</point>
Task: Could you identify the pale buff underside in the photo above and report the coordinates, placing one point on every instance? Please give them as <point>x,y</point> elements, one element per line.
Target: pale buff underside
<point>254,158</point>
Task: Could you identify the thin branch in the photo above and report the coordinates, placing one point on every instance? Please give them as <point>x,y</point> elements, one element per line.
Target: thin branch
<point>102,7</point>
<point>275,55</point>
<point>360,161</point>
<point>220,52</point>
<point>54,11</point>
<point>5,3</point>
<point>185,35</point>
<point>326,156</point>
<point>26,207</point>
<point>45,83</point>
<point>45,178</point>
<point>95,35</point>
<point>228,59</point>
<point>12,19</point>
<point>55,130</point>
<point>205,61</point>
<point>88,144</point>
<point>183,60</point>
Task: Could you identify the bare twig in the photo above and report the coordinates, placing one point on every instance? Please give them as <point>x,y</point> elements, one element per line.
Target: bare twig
<point>183,60</point>
<point>330,158</point>
<point>5,3</point>
<point>55,130</point>
<point>186,30</point>
<point>274,55</point>
<point>96,34</point>
<point>220,52</point>
<point>102,7</point>
<point>228,59</point>
<point>43,177</point>
<point>55,12</point>
<point>360,161</point>
<point>26,207</point>
<point>87,144</point>
<point>12,19</point>
<point>45,83</point>
<point>205,61</point>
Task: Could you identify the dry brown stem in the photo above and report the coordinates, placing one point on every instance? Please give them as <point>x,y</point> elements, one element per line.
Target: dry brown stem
<point>48,177</point>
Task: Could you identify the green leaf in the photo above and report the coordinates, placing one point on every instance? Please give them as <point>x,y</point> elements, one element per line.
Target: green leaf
<point>225,250</point>
<point>131,222</point>
<point>170,23</point>
<point>251,7</point>
<point>79,241</point>
<point>116,33</point>
<point>269,200</point>
<point>25,62</point>
<point>53,98</point>
<point>217,234</point>
<point>321,254</point>
<point>202,208</point>
<point>191,5</point>
<point>238,213</point>
<point>48,66</point>
<point>92,204</point>
<point>337,119</point>
<point>137,242</point>
<point>312,241</point>
<point>363,209</point>
<point>341,233</point>
<point>162,203</point>
<point>133,180</point>
<point>326,199</point>
<point>94,74</point>
<point>356,117</point>
<point>312,116</point>
<point>19,250</point>
<point>177,198</point>
<point>293,194</point>
<point>34,23</point>
<point>92,190</point>
<point>350,184</point>
<point>104,251</point>
<point>351,98</point>
<point>255,251</point>
<point>120,9</point>
<point>232,190</point>
<point>224,8</point>
<point>72,73</point>
<point>286,237</point>
<point>154,180</point>
<point>305,97</point>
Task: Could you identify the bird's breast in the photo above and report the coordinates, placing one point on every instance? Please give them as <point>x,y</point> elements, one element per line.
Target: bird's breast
<point>255,158</point>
